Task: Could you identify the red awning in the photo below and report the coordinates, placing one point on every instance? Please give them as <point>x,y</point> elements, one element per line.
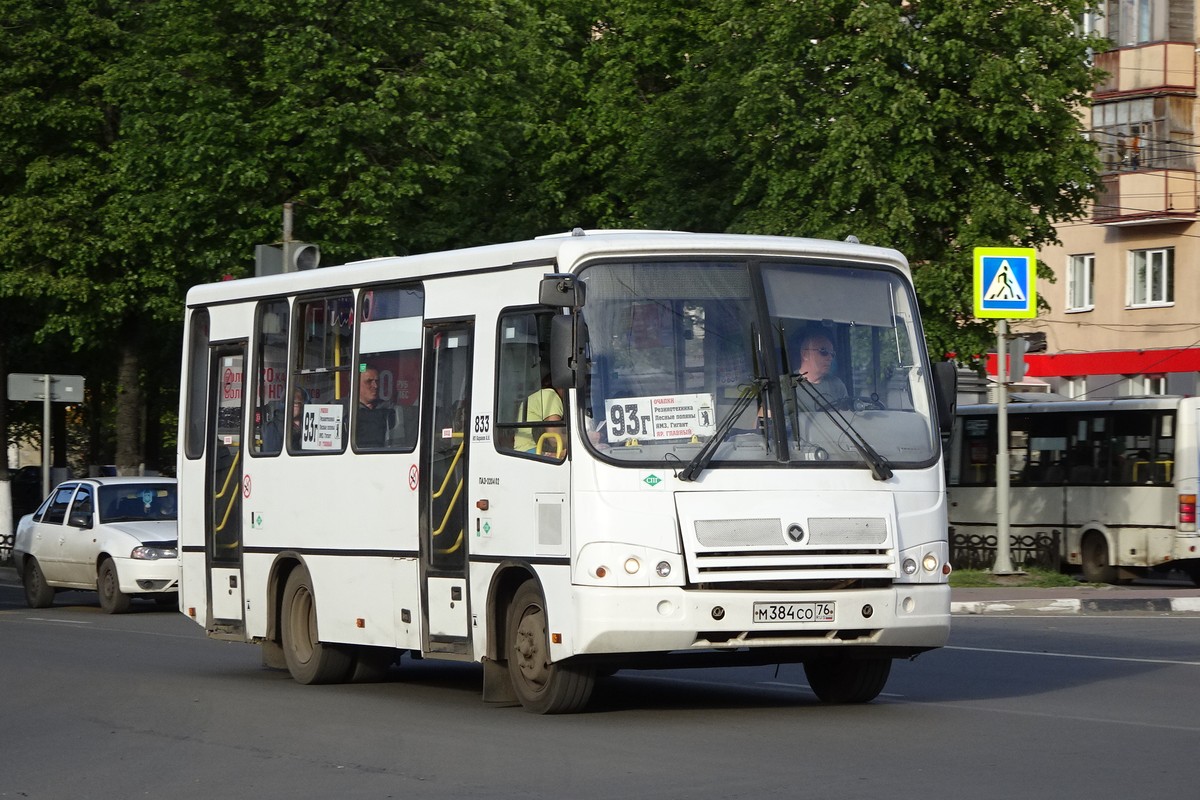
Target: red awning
<point>1109,362</point>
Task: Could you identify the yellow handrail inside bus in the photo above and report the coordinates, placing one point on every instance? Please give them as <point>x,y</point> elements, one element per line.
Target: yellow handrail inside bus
<point>457,544</point>
<point>453,464</point>
<point>225,488</point>
<point>558,451</point>
<point>449,510</point>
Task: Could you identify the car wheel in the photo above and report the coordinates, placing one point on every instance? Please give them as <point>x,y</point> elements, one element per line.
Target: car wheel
<point>38,594</point>
<point>112,599</point>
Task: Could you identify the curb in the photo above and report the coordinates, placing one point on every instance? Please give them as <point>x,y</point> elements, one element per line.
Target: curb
<point>1152,605</point>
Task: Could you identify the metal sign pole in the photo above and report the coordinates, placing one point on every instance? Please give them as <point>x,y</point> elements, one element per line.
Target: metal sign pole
<point>1003,565</point>
<point>46,436</point>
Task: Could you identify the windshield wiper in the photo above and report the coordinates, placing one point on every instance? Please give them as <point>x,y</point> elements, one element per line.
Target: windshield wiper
<point>749,391</point>
<point>880,470</point>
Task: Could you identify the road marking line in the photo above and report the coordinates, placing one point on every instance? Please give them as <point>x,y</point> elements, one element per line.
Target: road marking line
<point>61,621</point>
<point>1076,655</point>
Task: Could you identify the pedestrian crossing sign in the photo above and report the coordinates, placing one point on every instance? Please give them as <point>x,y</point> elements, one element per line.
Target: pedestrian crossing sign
<point>1005,282</point>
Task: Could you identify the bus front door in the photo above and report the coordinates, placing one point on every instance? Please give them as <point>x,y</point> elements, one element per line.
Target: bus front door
<point>447,388</point>
<point>223,494</point>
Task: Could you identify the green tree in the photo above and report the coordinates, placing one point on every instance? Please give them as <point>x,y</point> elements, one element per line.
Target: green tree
<point>932,126</point>
<point>154,143</point>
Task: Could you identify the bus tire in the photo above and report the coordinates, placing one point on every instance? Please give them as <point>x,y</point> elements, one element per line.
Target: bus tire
<point>542,687</point>
<point>309,660</point>
<point>38,594</point>
<point>1095,561</point>
<point>108,586</point>
<point>847,680</point>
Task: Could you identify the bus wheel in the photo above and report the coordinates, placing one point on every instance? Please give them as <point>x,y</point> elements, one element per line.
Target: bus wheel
<point>1096,568</point>
<point>38,594</point>
<point>847,680</point>
<point>542,687</point>
<point>309,660</point>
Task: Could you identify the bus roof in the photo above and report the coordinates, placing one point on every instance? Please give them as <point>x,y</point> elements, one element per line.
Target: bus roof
<point>558,251</point>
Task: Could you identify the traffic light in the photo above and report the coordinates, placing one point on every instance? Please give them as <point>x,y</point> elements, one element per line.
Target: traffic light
<point>1017,348</point>
<point>291,257</point>
<point>299,256</point>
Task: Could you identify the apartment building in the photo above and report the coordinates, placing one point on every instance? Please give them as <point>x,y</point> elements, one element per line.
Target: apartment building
<point>1124,315</point>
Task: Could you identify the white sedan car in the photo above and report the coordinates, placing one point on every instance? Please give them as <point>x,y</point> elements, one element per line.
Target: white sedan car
<point>117,536</point>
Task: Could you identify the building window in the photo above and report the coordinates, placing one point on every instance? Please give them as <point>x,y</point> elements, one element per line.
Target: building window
<point>1152,277</point>
<point>1132,135</point>
<point>1079,283</point>
<point>1140,21</point>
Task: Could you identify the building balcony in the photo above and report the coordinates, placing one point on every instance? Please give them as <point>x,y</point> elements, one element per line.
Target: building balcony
<point>1146,197</point>
<point>1162,67</point>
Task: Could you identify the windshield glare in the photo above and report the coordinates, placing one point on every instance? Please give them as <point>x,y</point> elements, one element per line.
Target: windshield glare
<point>832,355</point>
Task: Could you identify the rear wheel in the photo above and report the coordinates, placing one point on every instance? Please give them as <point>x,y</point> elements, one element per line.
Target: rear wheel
<point>112,599</point>
<point>308,659</point>
<point>541,686</point>
<point>1096,566</point>
<point>38,594</point>
<point>847,680</point>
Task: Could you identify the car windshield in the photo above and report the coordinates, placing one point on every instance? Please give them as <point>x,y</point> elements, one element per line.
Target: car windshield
<point>828,354</point>
<point>137,502</point>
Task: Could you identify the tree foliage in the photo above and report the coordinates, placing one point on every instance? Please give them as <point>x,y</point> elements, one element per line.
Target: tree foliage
<point>932,126</point>
<point>148,146</point>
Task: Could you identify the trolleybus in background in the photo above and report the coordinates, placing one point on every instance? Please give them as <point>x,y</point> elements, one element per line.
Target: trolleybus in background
<point>583,453</point>
<point>1115,480</point>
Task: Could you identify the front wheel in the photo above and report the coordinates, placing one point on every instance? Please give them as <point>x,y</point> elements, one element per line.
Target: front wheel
<point>38,594</point>
<point>541,686</point>
<point>847,680</point>
<point>309,659</point>
<point>112,599</point>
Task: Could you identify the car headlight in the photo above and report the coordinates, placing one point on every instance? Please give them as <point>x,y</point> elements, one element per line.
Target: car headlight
<point>144,553</point>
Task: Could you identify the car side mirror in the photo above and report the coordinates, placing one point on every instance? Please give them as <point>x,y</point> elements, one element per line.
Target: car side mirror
<point>81,520</point>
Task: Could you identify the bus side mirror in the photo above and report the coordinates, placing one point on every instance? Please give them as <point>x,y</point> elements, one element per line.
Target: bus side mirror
<point>945,393</point>
<point>568,339</point>
<point>559,290</point>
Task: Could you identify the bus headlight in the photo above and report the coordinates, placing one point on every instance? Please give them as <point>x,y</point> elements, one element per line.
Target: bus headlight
<point>909,566</point>
<point>929,562</point>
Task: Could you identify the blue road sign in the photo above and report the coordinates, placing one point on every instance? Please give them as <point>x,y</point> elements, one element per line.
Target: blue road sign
<point>1005,282</point>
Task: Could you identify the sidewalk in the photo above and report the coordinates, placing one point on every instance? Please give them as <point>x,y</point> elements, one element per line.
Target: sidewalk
<point>1158,598</point>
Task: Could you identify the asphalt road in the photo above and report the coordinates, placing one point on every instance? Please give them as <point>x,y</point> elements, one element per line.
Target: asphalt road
<point>143,705</point>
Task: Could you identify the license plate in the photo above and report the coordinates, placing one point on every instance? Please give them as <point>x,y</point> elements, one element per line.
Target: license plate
<point>794,612</point>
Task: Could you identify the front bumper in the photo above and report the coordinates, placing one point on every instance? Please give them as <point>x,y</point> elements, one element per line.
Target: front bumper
<point>906,617</point>
<point>138,576</point>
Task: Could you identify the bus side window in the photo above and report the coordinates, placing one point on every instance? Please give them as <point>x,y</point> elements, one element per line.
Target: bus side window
<point>388,368</point>
<point>324,327</point>
<point>530,414</point>
<point>270,385</point>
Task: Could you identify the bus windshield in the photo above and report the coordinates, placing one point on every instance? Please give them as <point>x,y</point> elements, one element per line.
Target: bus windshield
<point>825,359</point>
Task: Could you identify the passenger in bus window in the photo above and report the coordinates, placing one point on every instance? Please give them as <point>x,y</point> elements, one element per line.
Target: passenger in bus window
<point>544,405</point>
<point>273,430</point>
<point>375,423</point>
<point>816,368</point>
